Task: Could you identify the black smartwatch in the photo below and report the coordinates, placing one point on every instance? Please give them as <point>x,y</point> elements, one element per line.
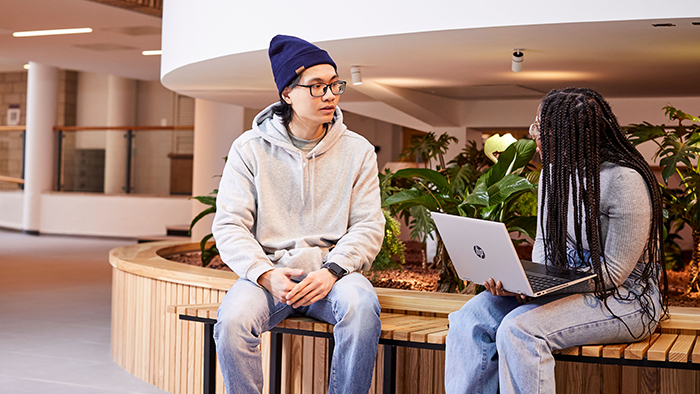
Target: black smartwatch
<point>335,269</point>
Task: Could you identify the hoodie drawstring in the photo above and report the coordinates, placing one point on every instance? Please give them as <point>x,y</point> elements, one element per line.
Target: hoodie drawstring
<point>301,184</point>
<point>311,183</point>
<point>313,172</point>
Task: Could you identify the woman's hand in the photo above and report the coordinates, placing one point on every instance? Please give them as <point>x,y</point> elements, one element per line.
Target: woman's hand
<point>496,288</point>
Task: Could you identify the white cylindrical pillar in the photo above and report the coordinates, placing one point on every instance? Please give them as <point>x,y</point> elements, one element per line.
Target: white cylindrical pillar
<point>121,110</point>
<point>216,126</point>
<point>42,102</point>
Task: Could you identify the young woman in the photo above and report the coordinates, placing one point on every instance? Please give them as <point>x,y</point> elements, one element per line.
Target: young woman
<point>599,211</point>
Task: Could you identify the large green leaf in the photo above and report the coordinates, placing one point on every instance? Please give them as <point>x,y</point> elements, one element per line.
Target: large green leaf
<point>479,197</point>
<point>507,187</point>
<point>431,176</point>
<point>674,151</point>
<point>523,224</point>
<point>411,197</point>
<point>517,156</point>
<point>207,200</point>
<point>200,216</point>
<point>460,179</point>
<point>645,132</point>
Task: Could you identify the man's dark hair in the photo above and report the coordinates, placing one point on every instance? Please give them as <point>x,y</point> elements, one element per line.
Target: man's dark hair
<point>284,110</point>
<point>578,131</point>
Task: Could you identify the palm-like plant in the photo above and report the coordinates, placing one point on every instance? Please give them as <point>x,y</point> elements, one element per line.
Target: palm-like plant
<point>677,149</point>
<point>494,196</point>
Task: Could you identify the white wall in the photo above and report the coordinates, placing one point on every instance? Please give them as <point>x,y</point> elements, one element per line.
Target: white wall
<point>377,132</point>
<point>91,109</point>
<point>114,216</point>
<point>154,107</point>
<point>154,104</point>
<point>98,214</point>
<point>11,209</point>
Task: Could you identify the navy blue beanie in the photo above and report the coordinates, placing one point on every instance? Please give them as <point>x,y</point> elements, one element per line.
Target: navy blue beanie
<point>290,56</point>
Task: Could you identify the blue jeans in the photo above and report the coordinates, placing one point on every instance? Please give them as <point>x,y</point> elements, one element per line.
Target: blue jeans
<point>249,310</point>
<point>494,342</point>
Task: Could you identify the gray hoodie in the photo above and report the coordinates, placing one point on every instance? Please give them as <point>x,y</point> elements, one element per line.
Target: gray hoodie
<point>279,207</point>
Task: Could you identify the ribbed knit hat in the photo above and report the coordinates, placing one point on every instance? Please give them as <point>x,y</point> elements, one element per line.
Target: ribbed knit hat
<point>290,56</point>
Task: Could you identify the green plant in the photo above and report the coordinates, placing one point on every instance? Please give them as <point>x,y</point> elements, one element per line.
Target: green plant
<point>391,246</point>
<point>677,150</point>
<point>494,196</point>
<point>208,251</point>
<point>429,147</point>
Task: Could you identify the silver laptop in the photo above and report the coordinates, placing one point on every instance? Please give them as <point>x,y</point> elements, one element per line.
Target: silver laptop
<point>482,249</point>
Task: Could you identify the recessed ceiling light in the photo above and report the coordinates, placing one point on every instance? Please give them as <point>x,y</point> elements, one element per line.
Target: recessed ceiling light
<point>155,52</point>
<point>26,66</point>
<point>51,32</point>
<point>663,24</point>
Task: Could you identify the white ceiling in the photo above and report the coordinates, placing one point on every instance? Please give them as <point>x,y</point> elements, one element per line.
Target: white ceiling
<point>619,59</point>
<point>114,46</point>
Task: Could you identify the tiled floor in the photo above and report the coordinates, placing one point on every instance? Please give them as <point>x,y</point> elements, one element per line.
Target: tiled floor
<point>55,317</point>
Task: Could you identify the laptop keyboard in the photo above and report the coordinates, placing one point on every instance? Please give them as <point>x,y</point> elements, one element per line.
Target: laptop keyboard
<point>539,283</point>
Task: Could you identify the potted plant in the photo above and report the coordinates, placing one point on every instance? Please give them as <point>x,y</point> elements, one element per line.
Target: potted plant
<point>495,195</point>
<point>677,150</point>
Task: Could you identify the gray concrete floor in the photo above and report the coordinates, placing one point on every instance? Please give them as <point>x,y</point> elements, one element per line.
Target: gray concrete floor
<point>55,300</point>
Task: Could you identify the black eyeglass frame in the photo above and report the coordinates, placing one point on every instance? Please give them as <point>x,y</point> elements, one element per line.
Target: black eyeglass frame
<point>341,89</point>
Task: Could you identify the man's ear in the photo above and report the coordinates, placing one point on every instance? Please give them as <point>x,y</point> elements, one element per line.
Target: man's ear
<point>285,95</point>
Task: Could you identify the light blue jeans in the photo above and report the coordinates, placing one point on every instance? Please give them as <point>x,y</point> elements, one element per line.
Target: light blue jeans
<point>495,342</point>
<point>249,310</point>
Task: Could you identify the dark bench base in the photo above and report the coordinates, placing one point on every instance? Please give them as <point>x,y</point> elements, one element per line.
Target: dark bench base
<point>390,345</point>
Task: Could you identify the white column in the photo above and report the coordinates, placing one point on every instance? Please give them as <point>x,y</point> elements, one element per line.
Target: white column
<point>121,109</point>
<point>42,102</point>
<point>216,126</point>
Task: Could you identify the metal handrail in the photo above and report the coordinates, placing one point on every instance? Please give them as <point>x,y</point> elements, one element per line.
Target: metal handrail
<point>123,128</point>
<point>18,181</point>
<point>13,128</point>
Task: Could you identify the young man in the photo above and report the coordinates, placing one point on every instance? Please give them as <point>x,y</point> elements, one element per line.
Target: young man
<point>298,214</point>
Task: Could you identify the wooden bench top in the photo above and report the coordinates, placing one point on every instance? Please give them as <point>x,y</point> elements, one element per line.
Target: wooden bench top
<point>403,320</point>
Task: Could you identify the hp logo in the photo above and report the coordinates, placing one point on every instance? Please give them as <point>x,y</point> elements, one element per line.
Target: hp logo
<point>479,252</point>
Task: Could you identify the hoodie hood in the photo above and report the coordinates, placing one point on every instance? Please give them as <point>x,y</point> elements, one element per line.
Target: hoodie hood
<point>269,126</point>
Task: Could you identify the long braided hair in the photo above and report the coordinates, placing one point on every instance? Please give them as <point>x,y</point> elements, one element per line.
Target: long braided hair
<point>578,131</point>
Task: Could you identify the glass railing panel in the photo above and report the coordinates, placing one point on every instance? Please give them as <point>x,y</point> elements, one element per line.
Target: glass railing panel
<point>11,157</point>
<point>140,160</point>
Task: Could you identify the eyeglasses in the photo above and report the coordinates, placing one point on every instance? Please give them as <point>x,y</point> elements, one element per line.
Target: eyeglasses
<point>319,89</point>
<point>535,128</point>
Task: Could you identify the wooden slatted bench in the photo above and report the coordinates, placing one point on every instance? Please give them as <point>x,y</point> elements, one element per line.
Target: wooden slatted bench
<point>419,320</point>
<point>409,319</point>
<point>675,345</point>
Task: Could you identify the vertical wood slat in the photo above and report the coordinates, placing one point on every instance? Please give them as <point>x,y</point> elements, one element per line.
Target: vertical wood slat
<point>307,366</point>
<point>426,359</point>
<point>319,369</point>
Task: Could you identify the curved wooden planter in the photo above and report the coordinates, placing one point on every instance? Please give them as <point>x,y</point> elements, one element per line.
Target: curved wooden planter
<point>158,348</point>
<point>162,350</point>
<point>147,341</point>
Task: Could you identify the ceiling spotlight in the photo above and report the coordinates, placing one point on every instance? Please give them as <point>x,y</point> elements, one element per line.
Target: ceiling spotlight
<point>517,65</point>
<point>155,52</point>
<point>26,66</point>
<point>356,75</point>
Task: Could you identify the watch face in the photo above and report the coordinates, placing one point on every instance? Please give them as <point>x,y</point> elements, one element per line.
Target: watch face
<point>336,270</point>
